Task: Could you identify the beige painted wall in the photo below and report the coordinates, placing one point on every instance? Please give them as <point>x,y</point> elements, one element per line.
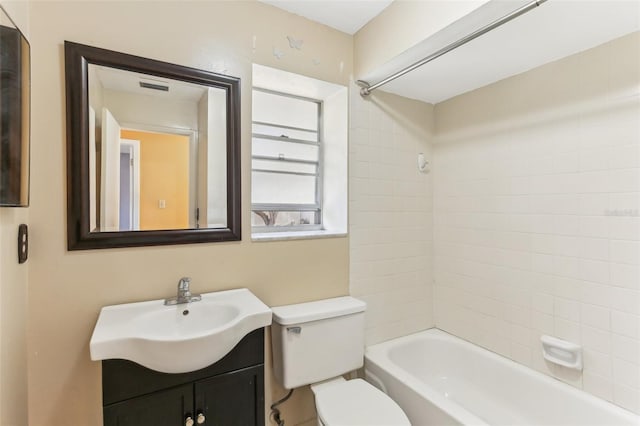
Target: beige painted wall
<point>403,24</point>
<point>18,11</point>
<point>537,181</point>
<point>13,291</point>
<point>67,289</point>
<point>13,321</point>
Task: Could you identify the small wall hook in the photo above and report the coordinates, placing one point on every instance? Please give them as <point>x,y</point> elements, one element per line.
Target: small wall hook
<point>423,164</point>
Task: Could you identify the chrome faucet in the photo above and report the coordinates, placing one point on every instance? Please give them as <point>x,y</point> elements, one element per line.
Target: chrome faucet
<point>184,294</point>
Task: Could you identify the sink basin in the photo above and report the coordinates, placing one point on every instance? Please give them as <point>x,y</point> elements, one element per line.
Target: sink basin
<point>178,338</point>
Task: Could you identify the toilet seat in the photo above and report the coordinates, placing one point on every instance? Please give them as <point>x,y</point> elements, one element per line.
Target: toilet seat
<point>357,403</point>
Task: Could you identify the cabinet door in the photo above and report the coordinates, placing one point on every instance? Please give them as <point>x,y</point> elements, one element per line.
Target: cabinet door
<point>164,408</point>
<point>232,399</point>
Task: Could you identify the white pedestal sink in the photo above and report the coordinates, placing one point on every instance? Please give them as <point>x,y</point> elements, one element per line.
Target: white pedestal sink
<point>178,338</point>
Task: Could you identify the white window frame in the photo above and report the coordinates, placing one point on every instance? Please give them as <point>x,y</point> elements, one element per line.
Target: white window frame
<point>292,207</point>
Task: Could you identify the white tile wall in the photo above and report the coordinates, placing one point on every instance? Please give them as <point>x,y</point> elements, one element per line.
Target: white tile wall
<point>537,224</point>
<point>390,214</point>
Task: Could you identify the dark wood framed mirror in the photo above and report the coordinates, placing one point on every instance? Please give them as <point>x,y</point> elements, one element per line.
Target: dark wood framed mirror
<point>153,152</point>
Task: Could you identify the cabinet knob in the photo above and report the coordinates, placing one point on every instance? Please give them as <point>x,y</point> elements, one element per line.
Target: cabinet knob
<point>188,421</point>
<point>201,419</point>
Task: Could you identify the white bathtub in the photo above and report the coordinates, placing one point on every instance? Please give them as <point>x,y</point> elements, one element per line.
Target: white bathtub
<point>439,379</point>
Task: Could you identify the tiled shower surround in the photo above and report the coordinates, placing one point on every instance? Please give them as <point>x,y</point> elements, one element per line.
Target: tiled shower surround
<point>535,187</point>
<point>536,216</point>
<point>391,213</point>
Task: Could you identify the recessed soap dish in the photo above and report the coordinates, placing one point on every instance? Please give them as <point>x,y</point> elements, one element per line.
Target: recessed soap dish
<point>561,352</point>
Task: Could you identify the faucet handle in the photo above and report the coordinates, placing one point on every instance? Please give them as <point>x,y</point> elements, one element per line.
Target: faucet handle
<point>184,283</point>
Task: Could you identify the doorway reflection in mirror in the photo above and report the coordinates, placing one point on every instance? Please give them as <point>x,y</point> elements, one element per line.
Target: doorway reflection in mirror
<point>158,153</point>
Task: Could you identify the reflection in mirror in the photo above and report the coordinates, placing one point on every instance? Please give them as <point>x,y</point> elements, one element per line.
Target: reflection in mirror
<point>157,150</point>
<point>14,114</point>
<point>153,151</point>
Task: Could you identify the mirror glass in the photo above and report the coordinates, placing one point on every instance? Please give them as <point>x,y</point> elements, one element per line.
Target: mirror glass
<point>157,152</point>
<point>153,151</point>
<point>14,114</point>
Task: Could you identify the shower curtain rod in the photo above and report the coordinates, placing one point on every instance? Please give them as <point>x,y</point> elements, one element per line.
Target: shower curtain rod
<point>368,88</point>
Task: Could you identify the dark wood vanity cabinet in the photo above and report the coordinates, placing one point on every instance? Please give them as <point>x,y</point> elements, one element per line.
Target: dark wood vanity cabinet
<point>229,392</point>
<point>161,408</point>
<point>231,399</point>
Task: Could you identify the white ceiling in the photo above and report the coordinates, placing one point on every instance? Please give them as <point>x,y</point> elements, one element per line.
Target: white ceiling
<point>556,29</point>
<point>345,15</point>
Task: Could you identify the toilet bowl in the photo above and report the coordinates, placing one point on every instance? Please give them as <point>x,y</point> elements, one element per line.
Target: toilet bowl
<point>341,402</point>
<point>315,343</point>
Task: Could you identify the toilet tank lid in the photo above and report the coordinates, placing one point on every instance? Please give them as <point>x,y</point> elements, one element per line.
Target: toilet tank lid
<point>317,310</point>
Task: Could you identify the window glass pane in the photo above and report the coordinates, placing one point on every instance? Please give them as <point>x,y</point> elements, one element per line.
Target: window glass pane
<point>272,188</point>
<point>284,110</point>
<point>264,129</point>
<point>283,166</point>
<point>269,148</point>
<point>283,218</point>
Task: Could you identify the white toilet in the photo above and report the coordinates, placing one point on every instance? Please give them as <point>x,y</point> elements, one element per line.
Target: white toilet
<point>314,344</point>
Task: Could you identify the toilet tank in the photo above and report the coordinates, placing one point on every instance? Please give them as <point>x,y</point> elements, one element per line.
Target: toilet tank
<point>318,340</point>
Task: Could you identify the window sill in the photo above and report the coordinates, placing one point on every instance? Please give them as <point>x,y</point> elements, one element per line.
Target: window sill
<point>295,235</point>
